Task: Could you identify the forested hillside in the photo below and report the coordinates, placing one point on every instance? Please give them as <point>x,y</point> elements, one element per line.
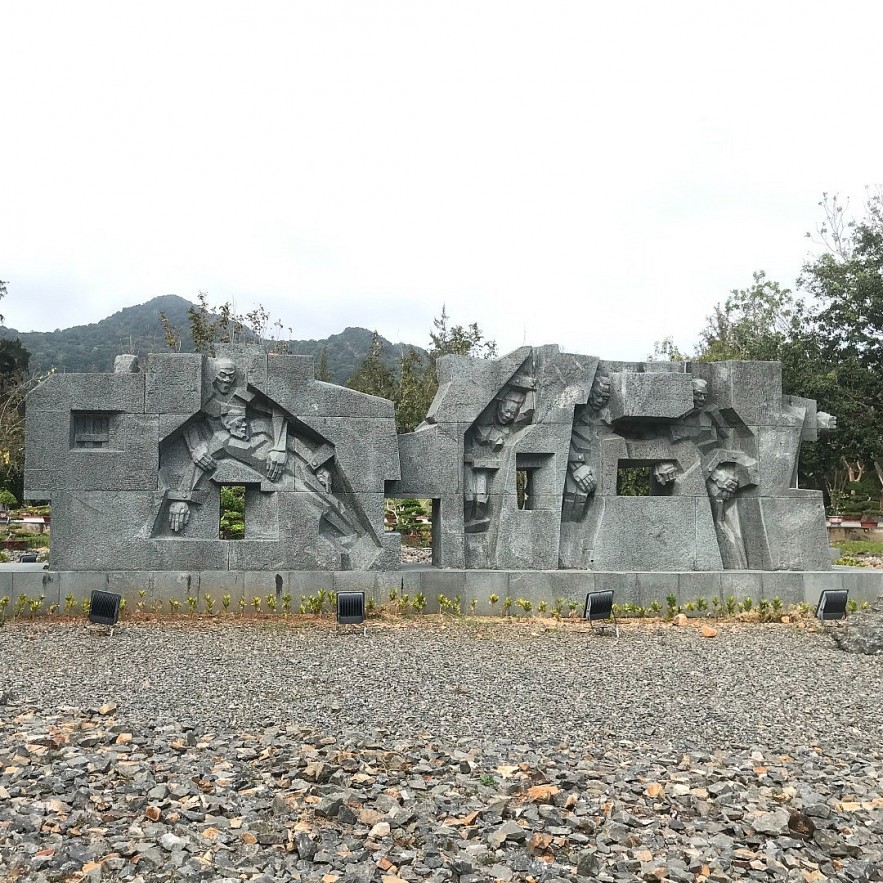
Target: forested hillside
<point>139,330</point>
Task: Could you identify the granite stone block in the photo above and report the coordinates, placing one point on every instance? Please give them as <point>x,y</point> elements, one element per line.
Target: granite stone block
<point>173,383</point>
<point>650,395</point>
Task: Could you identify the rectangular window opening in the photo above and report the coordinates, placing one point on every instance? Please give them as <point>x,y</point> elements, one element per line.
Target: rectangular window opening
<point>231,519</point>
<point>524,488</point>
<point>90,429</point>
<point>412,519</point>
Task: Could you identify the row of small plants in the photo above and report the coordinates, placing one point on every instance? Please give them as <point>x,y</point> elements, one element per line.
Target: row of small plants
<point>766,611</point>
<point>324,601</point>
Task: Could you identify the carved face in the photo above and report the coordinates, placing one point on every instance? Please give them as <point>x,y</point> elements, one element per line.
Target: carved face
<point>236,425</point>
<point>225,379</point>
<point>323,474</point>
<point>600,394</point>
<point>509,406</point>
<point>700,393</point>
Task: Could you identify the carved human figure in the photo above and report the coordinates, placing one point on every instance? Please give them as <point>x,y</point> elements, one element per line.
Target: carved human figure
<point>600,392</point>
<point>227,430</point>
<point>723,484</point>
<point>484,445</point>
<point>700,393</point>
<point>580,482</point>
<point>226,406</point>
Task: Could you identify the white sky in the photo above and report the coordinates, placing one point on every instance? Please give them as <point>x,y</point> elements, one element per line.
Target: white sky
<point>559,172</point>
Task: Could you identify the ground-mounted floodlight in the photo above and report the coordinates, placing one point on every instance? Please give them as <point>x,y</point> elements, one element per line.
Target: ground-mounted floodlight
<point>599,608</point>
<point>104,608</point>
<point>351,608</point>
<point>832,604</point>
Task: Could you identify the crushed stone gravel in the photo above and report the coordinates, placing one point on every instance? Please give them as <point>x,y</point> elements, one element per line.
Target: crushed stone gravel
<point>449,750</point>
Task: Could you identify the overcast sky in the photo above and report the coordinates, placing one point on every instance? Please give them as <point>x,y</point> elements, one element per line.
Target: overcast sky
<point>593,175</point>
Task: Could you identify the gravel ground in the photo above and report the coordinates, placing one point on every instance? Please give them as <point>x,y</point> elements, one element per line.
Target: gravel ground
<point>458,751</point>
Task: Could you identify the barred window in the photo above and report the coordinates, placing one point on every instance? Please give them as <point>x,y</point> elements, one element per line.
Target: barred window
<point>91,430</point>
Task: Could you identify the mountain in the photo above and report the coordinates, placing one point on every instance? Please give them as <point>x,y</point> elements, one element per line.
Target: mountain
<point>87,348</point>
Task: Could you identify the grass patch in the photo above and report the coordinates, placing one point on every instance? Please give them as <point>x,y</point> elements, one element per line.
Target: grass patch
<point>859,547</point>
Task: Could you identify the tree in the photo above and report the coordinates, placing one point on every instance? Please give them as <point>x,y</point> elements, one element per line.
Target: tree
<point>15,383</point>
<point>414,388</point>
<point>211,325</point>
<point>458,340</point>
<point>373,376</point>
<point>418,379</point>
<point>828,341</point>
<point>755,323</point>
<point>322,372</point>
<point>846,282</point>
<point>414,394</point>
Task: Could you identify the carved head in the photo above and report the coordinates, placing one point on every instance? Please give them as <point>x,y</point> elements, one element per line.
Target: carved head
<point>236,423</point>
<point>600,393</point>
<point>700,393</point>
<point>323,474</point>
<point>225,376</point>
<point>509,405</point>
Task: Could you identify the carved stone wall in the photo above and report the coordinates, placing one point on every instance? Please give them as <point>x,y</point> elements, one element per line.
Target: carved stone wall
<point>524,458</point>
<point>134,463</point>
<point>538,487</point>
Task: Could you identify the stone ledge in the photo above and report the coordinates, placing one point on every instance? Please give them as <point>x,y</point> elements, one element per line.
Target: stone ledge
<point>542,585</point>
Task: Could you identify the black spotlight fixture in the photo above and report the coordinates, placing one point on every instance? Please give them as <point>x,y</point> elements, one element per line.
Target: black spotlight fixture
<point>351,608</point>
<point>832,604</point>
<point>599,608</point>
<point>104,608</point>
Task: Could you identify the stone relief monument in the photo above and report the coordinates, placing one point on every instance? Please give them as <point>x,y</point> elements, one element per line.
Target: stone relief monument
<point>134,463</point>
<point>718,444</point>
<point>525,459</point>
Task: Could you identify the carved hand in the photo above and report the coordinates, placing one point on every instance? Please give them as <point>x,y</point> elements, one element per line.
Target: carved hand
<point>203,460</point>
<point>725,484</point>
<point>275,464</point>
<point>179,515</point>
<point>584,478</point>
